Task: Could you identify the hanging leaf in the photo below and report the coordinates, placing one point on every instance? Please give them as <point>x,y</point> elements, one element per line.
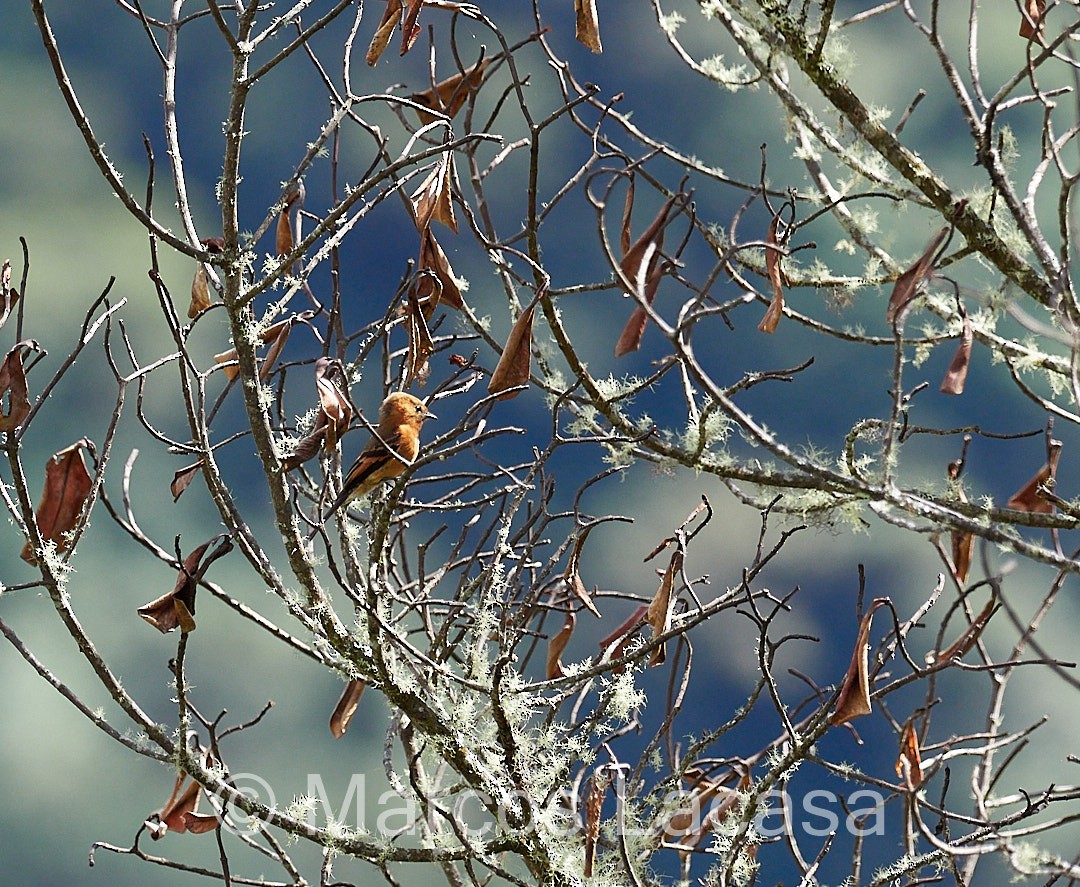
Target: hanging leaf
<point>381,40</point>
<point>630,337</point>
<point>410,29</point>
<point>183,478</point>
<point>444,289</point>
<point>1031,20</point>
<point>67,488</point>
<point>346,707</point>
<point>448,96</point>
<point>963,542</point>
<point>514,367</point>
<point>285,238</point>
<point>557,643</point>
<point>643,266</point>
<point>968,637</point>
<point>180,813</point>
<point>276,333</point>
<point>588,26</point>
<point>854,698</point>
<point>772,268</point>
<point>614,645</point>
<point>201,296</point>
<point>663,606</point>
<point>1028,498</point>
<point>177,608</point>
<point>906,287</point>
<point>599,781</point>
<point>432,200</point>
<point>421,345</point>
<point>956,376</point>
<point>13,386</point>
<point>909,764</point>
<point>572,577</point>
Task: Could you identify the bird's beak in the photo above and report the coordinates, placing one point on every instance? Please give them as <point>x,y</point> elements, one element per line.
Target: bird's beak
<point>428,414</point>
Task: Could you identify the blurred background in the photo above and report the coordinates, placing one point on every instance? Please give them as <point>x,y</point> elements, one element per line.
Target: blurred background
<point>67,785</point>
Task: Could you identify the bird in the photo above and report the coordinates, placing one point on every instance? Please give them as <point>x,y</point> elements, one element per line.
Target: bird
<point>389,452</point>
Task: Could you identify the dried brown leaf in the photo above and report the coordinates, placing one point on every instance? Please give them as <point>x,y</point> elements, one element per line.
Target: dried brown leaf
<point>180,812</point>
<point>907,284</point>
<point>432,201</point>
<point>444,288</point>
<point>588,25</point>
<point>854,698</point>
<point>346,707</point>
<point>335,411</point>
<point>599,781</point>
<point>1031,22</point>
<point>572,577</point>
<point>628,209</point>
<point>13,386</point>
<point>448,96</point>
<point>1028,498</point>
<point>67,488</point>
<point>410,30</point>
<point>200,292</point>
<point>772,267</point>
<point>177,608</point>
<point>909,764</point>
<point>514,367</point>
<point>383,33</point>
<point>663,604</point>
<point>421,345</point>
<point>183,478</point>
<point>956,376</point>
<point>647,248</point>
<point>630,337</point>
<point>557,643</point>
<point>283,241</point>
<point>968,637</point>
<point>272,333</point>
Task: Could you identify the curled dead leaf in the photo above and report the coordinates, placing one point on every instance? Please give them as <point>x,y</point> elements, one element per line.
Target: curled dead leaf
<point>381,40</point>
<point>67,489</point>
<point>183,478</point>
<point>599,781</point>
<point>772,268</point>
<point>201,295</point>
<point>177,608</point>
<point>907,284</point>
<point>854,698</point>
<point>968,637</point>
<point>1031,20</point>
<point>557,643</point>
<point>432,201</point>
<point>1028,498</point>
<point>587,31</point>
<point>663,605</point>
<point>909,763</point>
<point>572,577</point>
<point>13,386</point>
<point>346,707</point>
<point>956,375</point>
<point>449,96</point>
<point>962,542</point>
<point>285,238</point>
<point>514,366</point>
<point>180,813</point>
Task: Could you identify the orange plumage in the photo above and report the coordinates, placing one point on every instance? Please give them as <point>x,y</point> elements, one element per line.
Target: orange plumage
<point>388,453</point>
